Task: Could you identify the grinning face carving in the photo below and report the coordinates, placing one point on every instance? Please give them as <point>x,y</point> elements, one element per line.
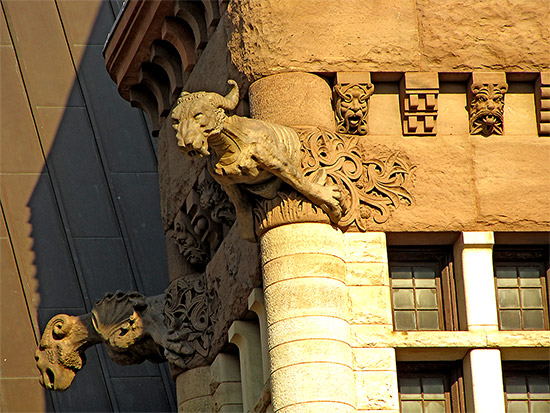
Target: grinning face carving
<point>487,109</point>
<point>352,107</point>
<point>60,354</point>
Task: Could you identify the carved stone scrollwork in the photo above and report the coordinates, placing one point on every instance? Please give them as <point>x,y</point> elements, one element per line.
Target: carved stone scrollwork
<point>486,103</point>
<point>213,199</point>
<point>202,222</point>
<point>352,93</point>
<point>372,188</point>
<point>189,313</point>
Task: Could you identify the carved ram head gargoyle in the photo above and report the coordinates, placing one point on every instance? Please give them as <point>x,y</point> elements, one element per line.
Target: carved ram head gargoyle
<point>130,325</point>
<point>247,157</point>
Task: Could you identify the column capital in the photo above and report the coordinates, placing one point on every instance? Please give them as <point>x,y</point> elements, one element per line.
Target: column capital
<point>477,239</point>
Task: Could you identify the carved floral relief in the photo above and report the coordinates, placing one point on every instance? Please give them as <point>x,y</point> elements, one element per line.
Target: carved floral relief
<point>189,313</point>
<point>371,188</point>
<point>202,221</point>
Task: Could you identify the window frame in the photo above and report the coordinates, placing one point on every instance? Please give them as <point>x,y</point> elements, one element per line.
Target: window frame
<point>520,255</point>
<point>453,376</point>
<point>441,256</point>
<point>523,369</point>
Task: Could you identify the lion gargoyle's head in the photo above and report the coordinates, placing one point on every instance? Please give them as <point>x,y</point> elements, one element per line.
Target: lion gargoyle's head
<point>60,354</point>
<point>487,109</point>
<point>199,116</point>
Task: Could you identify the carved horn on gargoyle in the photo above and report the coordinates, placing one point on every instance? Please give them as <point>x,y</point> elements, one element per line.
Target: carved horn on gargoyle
<point>251,158</point>
<point>229,101</point>
<point>60,354</point>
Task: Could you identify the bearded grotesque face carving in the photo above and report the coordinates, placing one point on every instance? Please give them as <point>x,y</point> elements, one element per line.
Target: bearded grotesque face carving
<point>352,107</point>
<point>487,108</point>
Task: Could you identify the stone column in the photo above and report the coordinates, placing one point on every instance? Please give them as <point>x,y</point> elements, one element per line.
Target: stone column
<point>308,309</point>
<point>483,381</point>
<point>473,253</point>
<point>306,298</point>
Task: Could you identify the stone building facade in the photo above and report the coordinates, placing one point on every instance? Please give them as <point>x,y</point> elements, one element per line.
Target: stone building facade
<point>361,218</point>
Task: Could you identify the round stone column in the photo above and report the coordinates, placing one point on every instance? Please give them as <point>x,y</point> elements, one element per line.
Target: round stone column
<point>308,308</point>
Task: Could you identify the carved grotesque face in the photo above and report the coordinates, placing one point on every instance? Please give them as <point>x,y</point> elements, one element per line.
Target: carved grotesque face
<point>195,120</point>
<point>188,244</point>
<point>352,107</point>
<point>486,109</point>
<point>59,356</point>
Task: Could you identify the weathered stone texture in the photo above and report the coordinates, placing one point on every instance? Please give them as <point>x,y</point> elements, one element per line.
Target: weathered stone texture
<point>483,35</point>
<point>376,390</point>
<point>512,188</point>
<point>233,273</point>
<point>177,174</point>
<point>272,36</point>
<point>292,99</point>
<point>268,37</point>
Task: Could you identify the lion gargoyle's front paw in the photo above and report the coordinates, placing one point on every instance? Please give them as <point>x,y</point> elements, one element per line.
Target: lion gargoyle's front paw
<point>330,201</point>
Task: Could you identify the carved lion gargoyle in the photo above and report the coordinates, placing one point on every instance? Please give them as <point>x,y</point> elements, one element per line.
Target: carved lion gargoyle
<point>130,325</point>
<point>249,156</point>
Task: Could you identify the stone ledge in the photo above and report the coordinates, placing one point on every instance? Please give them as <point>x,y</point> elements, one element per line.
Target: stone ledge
<point>363,336</point>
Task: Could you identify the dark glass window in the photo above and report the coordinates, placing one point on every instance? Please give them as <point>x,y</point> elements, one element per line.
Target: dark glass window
<point>423,290</point>
<point>527,387</point>
<point>521,277</point>
<point>430,387</point>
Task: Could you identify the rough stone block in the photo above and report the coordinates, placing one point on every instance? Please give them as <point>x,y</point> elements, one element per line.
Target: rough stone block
<point>301,239</point>
<point>370,305</point>
<point>310,351</point>
<point>375,273</point>
<point>368,336</point>
<point>366,247</point>
<point>377,390</point>
<point>292,99</point>
<point>307,265</point>
<point>318,382</point>
<point>306,297</point>
<point>227,394</point>
<point>193,384</point>
<point>305,328</point>
<point>374,359</point>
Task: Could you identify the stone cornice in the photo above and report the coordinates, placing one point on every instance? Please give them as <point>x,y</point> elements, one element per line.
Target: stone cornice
<point>153,48</point>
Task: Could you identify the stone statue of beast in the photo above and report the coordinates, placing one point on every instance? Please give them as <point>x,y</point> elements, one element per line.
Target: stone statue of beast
<point>249,156</point>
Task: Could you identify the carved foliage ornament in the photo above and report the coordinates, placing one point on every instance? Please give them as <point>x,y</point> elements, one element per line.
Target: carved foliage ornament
<point>201,223</point>
<point>371,188</point>
<point>487,108</point>
<point>352,107</point>
<point>189,314</point>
